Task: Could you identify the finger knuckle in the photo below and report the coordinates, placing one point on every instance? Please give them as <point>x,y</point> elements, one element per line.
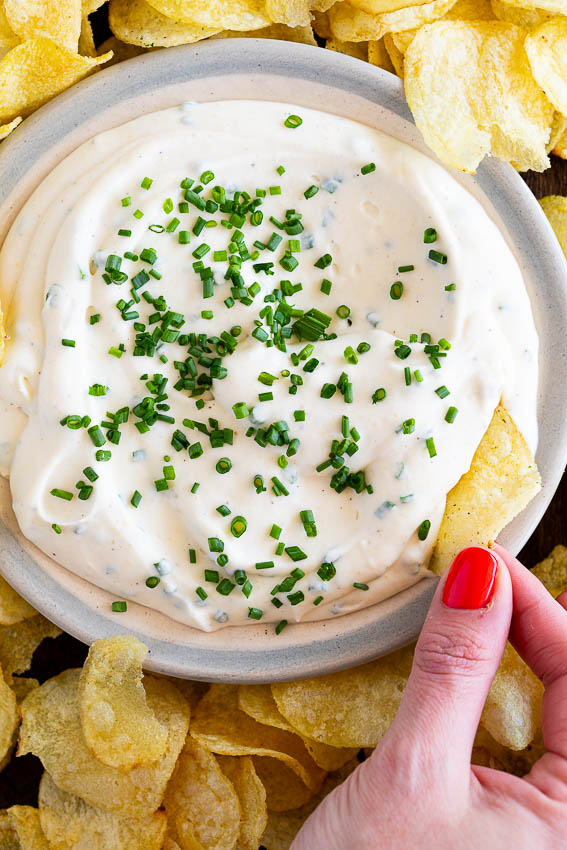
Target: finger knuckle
<point>455,652</point>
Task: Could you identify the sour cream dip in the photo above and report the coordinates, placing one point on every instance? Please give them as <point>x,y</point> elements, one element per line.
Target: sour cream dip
<point>251,348</point>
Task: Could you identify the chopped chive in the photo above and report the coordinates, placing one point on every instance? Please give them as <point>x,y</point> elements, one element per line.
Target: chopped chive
<point>451,415</point>
<point>61,494</point>
<point>402,269</point>
<point>396,290</point>
<point>119,607</point>
<point>360,585</point>
<point>323,262</point>
<point>280,627</point>
<point>343,312</point>
<point>368,169</point>
<point>378,395</point>
<point>326,286</point>
<point>430,444</point>
<point>68,343</point>
<point>293,121</point>
<point>451,287</point>
<point>437,257</point>
<point>423,529</point>
<point>136,498</point>
<point>310,192</point>
<point>238,526</point>
<point>429,235</point>
<point>442,391</point>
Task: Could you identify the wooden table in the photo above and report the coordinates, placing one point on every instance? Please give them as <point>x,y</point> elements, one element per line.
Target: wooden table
<point>19,781</point>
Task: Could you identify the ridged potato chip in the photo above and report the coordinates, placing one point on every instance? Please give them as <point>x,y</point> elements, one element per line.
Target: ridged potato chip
<point>502,479</point>
<point>90,6</point>
<point>555,208</point>
<point>515,14</point>
<point>462,10</point>
<point>552,571</point>
<point>546,47</point>
<point>119,727</point>
<point>321,24</point>
<point>19,642</point>
<point>379,56</point>
<point>555,7</point>
<point>23,89</point>
<point>224,14</point>
<point>558,129</point>
<point>59,20</point>
<point>301,35</point>
<point>71,824</point>
<point>8,721</point>
<point>22,686</point>
<point>220,725</point>
<point>8,37</point>
<point>202,806</point>
<point>295,13</point>
<point>284,789</point>
<point>251,796</point>
<point>283,826</point>
<point>51,730</point>
<point>258,702</point>
<point>13,609</point>
<point>349,24</point>
<point>136,22</point>
<point>351,708</point>
<point>512,712</point>
<point>192,691</point>
<point>485,99</point>
<point>25,823</point>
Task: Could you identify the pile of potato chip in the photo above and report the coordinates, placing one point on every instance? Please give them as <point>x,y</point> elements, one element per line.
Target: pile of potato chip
<point>136,762</point>
<point>482,77</point>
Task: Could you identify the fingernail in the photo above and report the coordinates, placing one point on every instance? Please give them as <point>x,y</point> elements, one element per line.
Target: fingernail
<point>471,579</point>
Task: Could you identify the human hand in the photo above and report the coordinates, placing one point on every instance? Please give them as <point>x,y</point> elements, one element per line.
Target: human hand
<point>418,790</point>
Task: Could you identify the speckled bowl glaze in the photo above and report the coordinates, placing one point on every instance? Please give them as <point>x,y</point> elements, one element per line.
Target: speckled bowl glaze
<point>323,79</point>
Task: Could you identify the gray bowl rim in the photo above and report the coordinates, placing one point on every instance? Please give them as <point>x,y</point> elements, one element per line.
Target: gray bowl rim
<point>397,621</point>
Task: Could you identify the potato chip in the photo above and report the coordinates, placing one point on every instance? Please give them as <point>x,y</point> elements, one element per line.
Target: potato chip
<point>5,130</point>
<point>136,22</point>
<point>201,804</point>
<point>120,50</point>
<point>554,7</point>
<point>321,24</point>
<point>349,24</point>
<point>560,148</point>
<point>224,14</point>
<point>555,208</point>
<point>512,712</point>
<point>51,729</point>
<point>22,686</point>
<point>301,35</point>
<point>252,798</point>
<point>13,609</point>
<point>71,824</point>
<point>170,844</point>
<point>258,702</point>
<point>489,753</point>
<point>59,20</point>
<point>119,727</point>
<point>462,10</point>
<point>23,89</point>
<point>379,56</point>
<point>86,39</point>
<point>485,99</point>
<point>90,6</point>
<point>8,37</point>
<point>8,838</point>
<point>293,13</point>
<point>351,708</point>
<point>502,479</point>
<point>283,787</point>
<point>356,49</point>
<point>558,129</point>
<point>283,826</point>
<point>8,721</point>
<point>19,642</point>
<point>219,725</point>
<point>546,47</point>
<point>379,7</point>
<point>552,571</point>
<point>27,828</point>
<point>192,691</point>
<point>396,56</point>
<point>519,15</point>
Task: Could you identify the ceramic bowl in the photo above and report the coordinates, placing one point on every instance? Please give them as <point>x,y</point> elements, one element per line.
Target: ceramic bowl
<point>309,76</point>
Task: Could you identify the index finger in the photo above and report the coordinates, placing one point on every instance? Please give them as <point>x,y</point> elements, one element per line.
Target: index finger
<point>539,633</point>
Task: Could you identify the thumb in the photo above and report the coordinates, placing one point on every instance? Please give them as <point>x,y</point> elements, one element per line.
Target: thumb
<point>455,661</point>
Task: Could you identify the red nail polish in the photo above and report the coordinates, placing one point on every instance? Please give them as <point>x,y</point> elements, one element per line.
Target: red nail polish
<point>471,579</point>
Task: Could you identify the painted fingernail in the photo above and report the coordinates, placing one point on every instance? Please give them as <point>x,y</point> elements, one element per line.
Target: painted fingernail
<point>471,580</point>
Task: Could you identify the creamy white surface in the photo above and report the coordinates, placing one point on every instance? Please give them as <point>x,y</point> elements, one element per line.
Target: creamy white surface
<point>371,224</point>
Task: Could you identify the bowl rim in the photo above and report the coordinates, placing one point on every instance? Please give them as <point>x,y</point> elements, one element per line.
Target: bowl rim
<point>311,648</point>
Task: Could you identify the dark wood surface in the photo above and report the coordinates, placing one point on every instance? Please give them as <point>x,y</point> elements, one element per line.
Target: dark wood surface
<point>19,780</point>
